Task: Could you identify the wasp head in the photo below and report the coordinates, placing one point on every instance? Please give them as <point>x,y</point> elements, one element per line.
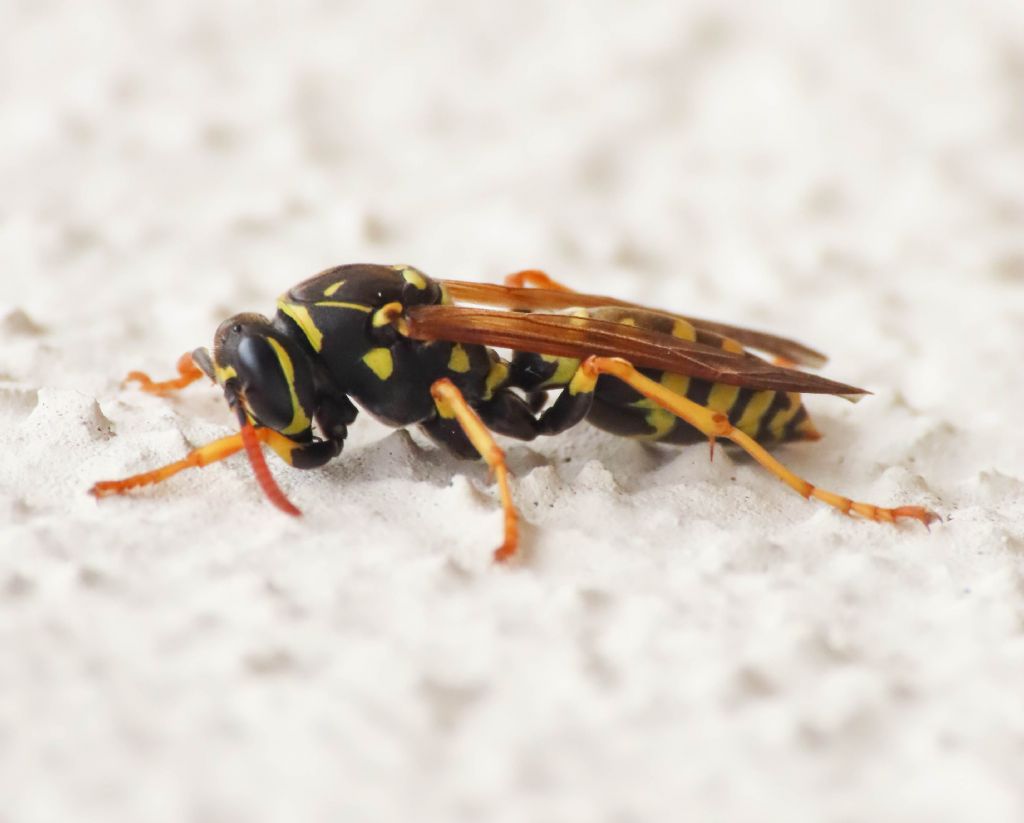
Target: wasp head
<point>267,378</point>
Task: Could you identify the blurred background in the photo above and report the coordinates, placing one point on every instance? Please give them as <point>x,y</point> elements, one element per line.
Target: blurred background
<point>846,173</point>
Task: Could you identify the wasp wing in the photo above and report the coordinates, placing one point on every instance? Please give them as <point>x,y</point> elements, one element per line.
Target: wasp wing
<point>531,299</point>
<point>569,336</point>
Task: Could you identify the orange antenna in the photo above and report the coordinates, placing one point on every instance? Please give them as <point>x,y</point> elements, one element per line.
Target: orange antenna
<point>260,468</point>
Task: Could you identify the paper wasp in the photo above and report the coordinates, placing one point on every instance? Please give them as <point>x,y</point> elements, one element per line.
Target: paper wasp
<point>412,350</point>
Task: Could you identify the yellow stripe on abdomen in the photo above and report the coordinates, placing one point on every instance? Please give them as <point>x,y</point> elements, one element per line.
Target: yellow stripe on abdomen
<point>754,411</point>
<point>723,397</point>
<point>777,425</point>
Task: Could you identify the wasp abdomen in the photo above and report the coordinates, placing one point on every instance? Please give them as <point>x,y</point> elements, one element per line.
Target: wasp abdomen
<point>767,416</point>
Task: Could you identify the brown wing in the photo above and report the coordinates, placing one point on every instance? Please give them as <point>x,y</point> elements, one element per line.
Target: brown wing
<point>493,295</point>
<point>568,336</point>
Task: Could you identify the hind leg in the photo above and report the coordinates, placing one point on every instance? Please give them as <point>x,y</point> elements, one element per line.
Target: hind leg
<point>716,424</point>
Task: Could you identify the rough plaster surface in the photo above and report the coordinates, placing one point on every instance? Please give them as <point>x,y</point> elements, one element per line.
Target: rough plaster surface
<point>685,640</point>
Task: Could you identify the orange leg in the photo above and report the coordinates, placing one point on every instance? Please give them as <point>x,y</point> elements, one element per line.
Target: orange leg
<point>451,403</point>
<point>188,372</point>
<point>715,424</point>
<point>248,439</point>
<point>535,278</point>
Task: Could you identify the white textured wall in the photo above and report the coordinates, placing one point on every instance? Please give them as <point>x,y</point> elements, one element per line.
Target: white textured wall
<point>685,640</point>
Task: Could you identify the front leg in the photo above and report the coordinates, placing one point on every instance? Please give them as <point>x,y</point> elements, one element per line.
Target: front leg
<point>300,455</point>
<point>248,439</point>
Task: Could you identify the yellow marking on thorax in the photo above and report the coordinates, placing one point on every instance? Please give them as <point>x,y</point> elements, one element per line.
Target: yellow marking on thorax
<point>495,377</point>
<point>582,382</point>
<point>341,304</point>
<point>410,275</point>
<point>303,319</point>
<point>683,330</point>
<point>390,314</point>
<point>300,422</point>
<point>565,368</point>
<point>333,288</point>
<point>730,345</point>
<point>754,411</point>
<point>446,299</point>
<point>458,361</point>
<point>778,423</point>
<point>380,362</point>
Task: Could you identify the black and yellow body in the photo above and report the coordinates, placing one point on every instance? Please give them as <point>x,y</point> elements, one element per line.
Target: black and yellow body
<point>768,416</point>
<point>394,342</point>
<point>357,354</point>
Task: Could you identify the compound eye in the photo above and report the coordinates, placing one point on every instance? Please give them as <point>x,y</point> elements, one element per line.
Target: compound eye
<point>267,391</point>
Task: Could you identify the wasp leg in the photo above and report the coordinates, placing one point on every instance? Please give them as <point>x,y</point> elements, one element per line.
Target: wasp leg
<point>447,432</point>
<point>451,405</point>
<point>197,459</point>
<point>715,424</point>
<point>188,373</point>
<point>509,414</point>
<point>300,455</point>
<point>535,278</point>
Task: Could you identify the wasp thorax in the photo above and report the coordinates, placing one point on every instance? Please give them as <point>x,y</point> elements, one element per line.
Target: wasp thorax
<point>271,374</point>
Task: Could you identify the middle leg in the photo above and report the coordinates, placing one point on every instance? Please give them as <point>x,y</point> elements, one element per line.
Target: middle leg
<point>451,405</point>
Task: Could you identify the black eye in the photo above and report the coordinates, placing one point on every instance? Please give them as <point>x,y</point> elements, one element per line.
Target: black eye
<point>237,328</point>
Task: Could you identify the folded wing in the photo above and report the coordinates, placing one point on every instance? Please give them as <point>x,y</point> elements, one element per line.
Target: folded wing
<point>570,336</point>
<point>533,299</point>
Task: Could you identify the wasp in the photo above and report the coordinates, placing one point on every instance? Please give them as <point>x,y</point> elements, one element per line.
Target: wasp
<point>412,350</point>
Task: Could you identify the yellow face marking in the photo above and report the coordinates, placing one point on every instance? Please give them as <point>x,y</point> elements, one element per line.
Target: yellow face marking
<point>303,319</point>
<point>495,377</point>
<point>410,275</point>
<point>459,360</point>
<point>331,289</point>
<point>300,422</point>
<point>565,369</point>
<point>380,362</point>
<point>722,397</point>
<point>754,411</point>
<point>340,304</point>
<point>224,373</point>
<point>683,330</point>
